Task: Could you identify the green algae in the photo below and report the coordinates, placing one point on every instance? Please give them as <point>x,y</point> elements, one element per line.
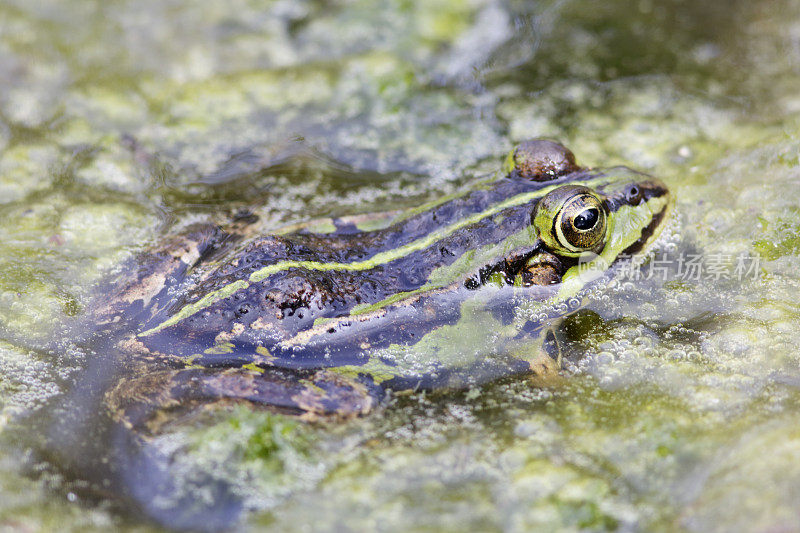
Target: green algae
<point>116,120</point>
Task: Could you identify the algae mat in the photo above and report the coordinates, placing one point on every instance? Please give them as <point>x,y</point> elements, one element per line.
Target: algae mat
<point>121,120</point>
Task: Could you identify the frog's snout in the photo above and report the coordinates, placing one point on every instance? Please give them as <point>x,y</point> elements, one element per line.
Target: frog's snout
<point>637,193</point>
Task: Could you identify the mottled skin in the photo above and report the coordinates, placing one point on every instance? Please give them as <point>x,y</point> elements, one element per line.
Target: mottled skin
<point>317,323</point>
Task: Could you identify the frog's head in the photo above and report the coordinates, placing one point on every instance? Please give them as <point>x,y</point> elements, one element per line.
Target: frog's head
<point>590,226</point>
<point>576,220</point>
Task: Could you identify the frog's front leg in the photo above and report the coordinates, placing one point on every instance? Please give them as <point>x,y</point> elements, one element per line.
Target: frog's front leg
<point>544,269</point>
<point>541,354</point>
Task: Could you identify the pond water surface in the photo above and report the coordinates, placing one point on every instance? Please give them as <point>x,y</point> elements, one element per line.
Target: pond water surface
<point>120,120</point>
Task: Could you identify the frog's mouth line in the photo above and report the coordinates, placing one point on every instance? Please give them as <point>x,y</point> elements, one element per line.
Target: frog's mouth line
<point>649,232</point>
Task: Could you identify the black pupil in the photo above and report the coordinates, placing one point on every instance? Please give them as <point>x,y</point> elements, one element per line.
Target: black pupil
<point>587,219</point>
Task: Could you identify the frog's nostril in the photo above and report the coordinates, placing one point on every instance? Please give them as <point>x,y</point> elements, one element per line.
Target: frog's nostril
<point>633,195</point>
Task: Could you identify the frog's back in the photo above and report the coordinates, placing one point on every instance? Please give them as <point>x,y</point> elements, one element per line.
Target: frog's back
<point>277,287</point>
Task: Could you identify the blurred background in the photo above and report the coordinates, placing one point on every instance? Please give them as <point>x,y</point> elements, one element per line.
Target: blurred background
<point>120,120</point>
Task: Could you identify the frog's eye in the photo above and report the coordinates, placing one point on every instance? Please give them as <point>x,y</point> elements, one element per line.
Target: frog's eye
<point>571,220</point>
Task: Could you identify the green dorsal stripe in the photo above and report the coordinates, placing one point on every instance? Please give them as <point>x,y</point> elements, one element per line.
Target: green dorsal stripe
<point>378,259</point>
<point>381,258</point>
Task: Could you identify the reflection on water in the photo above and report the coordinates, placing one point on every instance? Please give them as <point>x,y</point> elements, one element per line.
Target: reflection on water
<point>120,120</point>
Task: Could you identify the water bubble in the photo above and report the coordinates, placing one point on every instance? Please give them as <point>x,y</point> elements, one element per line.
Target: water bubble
<point>604,358</point>
<point>676,355</point>
<point>642,342</point>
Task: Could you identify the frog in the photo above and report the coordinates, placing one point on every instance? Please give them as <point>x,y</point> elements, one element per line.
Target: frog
<point>329,318</point>
<point>332,319</point>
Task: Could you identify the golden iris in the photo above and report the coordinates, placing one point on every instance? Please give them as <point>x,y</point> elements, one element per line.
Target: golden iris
<point>571,220</point>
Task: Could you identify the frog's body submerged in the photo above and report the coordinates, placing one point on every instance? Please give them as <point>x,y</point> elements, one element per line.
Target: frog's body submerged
<point>322,318</point>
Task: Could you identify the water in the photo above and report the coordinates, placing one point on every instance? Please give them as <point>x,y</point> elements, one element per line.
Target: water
<point>120,120</point>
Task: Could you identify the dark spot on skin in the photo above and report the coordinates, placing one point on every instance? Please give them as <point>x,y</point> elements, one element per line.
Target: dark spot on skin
<point>472,284</point>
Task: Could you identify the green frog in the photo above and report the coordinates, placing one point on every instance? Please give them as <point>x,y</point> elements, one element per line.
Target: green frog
<point>327,319</point>
<point>323,319</point>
